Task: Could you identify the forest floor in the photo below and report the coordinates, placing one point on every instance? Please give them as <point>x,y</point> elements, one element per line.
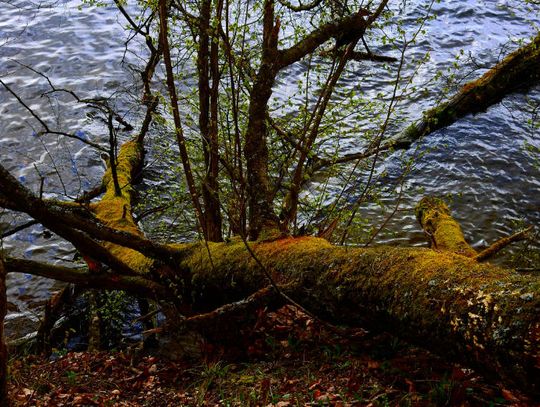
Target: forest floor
<point>287,359</point>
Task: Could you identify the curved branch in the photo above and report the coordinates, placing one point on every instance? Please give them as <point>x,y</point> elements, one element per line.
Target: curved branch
<point>352,26</point>
<point>300,7</point>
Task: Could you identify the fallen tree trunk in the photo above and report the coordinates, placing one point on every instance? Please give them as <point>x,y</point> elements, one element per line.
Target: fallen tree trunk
<point>441,298</point>
<point>481,314</point>
<point>478,313</point>
<point>449,303</point>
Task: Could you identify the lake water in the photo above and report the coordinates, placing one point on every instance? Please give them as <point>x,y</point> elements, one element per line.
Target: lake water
<point>481,161</point>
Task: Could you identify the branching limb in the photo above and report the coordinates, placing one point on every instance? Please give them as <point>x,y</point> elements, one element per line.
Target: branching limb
<point>136,27</point>
<point>164,42</point>
<point>351,26</point>
<point>56,218</point>
<point>99,103</point>
<point>291,200</point>
<point>58,221</point>
<point>87,196</point>
<point>360,56</point>
<point>53,308</point>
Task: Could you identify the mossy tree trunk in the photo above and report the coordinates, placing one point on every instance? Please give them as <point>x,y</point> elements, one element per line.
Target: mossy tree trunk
<point>481,314</point>
<point>478,313</point>
<point>441,298</point>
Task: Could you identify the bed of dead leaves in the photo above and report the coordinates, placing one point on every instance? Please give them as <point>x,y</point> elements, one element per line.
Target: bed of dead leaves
<point>287,359</point>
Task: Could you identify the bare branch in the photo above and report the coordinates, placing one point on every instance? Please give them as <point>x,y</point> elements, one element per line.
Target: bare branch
<point>300,6</point>
<point>46,128</point>
<point>133,284</point>
<point>18,228</point>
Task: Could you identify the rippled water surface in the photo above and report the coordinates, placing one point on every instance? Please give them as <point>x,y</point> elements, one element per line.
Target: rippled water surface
<point>480,161</point>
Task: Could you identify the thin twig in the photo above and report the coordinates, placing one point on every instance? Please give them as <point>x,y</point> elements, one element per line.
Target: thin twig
<point>46,128</point>
<point>18,229</point>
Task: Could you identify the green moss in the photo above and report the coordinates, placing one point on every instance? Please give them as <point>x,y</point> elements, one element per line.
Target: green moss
<point>115,211</point>
<point>434,216</point>
<point>411,132</point>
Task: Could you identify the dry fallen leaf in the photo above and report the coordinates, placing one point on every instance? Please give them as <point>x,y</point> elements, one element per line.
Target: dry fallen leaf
<point>509,396</point>
<point>373,364</point>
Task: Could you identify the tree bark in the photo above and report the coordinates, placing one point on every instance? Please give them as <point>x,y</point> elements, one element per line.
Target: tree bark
<point>4,400</point>
<point>481,314</point>
<point>261,213</point>
<point>208,62</point>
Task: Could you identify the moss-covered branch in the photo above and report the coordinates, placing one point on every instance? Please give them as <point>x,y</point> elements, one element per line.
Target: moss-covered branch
<point>115,210</point>
<point>443,231</point>
<point>517,72</point>
<point>502,243</point>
